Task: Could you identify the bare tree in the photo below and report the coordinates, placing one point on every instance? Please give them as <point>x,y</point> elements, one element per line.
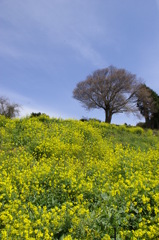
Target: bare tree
<point>111,89</point>
<point>8,109</point>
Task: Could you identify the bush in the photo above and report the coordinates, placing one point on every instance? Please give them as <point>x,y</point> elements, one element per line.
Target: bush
<point>141,124</point>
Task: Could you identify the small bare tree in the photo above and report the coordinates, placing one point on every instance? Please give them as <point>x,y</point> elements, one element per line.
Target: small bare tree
<point>8,109</point>
<point>111,89</point>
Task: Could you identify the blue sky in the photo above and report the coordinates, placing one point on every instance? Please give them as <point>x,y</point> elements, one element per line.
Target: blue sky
<point>47,47</point>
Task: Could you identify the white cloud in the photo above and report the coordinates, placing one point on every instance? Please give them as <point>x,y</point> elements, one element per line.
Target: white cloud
<point>29,105</point>
<point>65,22</point>
<point>26,110</point>
<point>9,51</point>
<point>57,23</point>
<point>87,52</point>
<point>13,96</point>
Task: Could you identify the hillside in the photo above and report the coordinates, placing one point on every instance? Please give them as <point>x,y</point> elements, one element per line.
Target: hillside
<point>67,179</point>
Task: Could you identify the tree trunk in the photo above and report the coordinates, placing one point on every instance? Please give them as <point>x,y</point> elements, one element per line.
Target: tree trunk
<point>108,116</point>
<point>148,123</point>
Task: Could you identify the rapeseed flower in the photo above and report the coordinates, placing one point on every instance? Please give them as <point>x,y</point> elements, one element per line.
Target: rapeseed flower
<point>67,179</point>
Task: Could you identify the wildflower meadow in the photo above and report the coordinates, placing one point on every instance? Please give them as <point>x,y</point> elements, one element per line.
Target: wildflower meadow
<point>68,179</point>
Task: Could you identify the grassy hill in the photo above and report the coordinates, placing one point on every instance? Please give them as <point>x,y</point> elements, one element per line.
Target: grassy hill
<point>67,179</point>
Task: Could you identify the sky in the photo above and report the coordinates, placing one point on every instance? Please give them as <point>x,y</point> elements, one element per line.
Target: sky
<point>47,47</point>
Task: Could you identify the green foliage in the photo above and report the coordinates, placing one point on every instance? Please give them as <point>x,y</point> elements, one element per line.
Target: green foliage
<point>148,105</point>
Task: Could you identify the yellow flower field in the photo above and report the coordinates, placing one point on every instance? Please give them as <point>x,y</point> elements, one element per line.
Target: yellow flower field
<point>77,180</point>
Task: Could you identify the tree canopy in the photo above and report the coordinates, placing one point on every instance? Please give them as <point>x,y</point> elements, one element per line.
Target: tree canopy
<point>111,89</point>
<point>148,105</point>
